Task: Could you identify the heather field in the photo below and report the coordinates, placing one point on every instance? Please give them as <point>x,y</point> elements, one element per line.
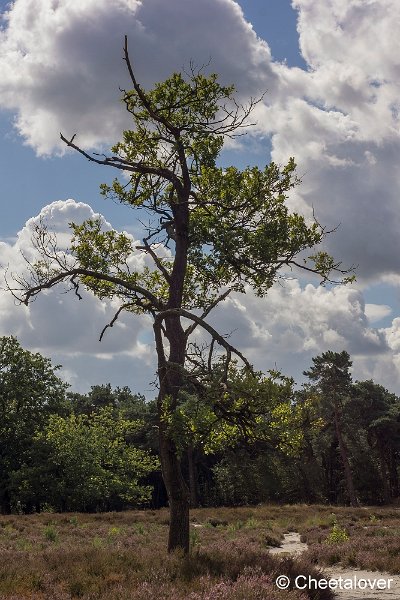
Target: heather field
<point>123,556</point>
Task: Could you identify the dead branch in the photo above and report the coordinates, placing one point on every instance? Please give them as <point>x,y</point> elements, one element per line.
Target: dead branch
<point>214,334</point>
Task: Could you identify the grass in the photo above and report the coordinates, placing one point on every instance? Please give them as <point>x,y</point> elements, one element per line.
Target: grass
<point>122,555</point>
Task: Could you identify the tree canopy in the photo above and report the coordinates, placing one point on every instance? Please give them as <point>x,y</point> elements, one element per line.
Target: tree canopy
<point>210,232</point>
<point>30,391</point>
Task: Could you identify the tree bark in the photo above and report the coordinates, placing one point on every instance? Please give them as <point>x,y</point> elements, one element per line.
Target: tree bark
<point>171,382</point>
<point>345,458</point>
<point>384,473</point>
<point>178,494</point>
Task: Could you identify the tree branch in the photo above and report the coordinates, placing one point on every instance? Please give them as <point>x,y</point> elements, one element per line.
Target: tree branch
<point>31,292</point>
<point>147,248</point>
<point>114,319</point>
<point>214,334</point>
<point>125,165</point>
<point>192,327</point>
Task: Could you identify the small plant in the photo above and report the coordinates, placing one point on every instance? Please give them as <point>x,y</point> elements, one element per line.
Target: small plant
<point>235,526</point>
<point>50,533</point>
<point>332,519</point>
<point>252,523</point>
<point>114,531</point>
<point>74,521</point>
<point>337,535</point>
<point>373,519</point>
<point>23,544</point>
<point>97,543</point>
<point>138,527</point>
<point>194,540</point>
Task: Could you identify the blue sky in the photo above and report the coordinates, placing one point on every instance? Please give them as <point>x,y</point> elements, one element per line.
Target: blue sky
<point>334,105</point>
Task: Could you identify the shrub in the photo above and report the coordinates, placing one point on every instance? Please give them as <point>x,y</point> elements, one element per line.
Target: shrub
<point>337,535</point>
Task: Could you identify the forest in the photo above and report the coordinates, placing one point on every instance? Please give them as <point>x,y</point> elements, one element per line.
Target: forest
<point>330,441</point>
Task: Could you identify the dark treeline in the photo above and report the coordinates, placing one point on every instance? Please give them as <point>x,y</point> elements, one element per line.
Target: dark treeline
<point>333,441</point>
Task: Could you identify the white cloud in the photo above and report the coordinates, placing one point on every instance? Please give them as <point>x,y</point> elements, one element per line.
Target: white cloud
<point>295,323</point>
<point>62,66</point>
<point>284,330</point>
<point>59,325</point>
<point>376,312</point>
<point>340,120</point>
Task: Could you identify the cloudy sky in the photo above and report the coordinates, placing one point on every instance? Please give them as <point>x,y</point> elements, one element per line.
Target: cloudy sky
<point>331,70</point>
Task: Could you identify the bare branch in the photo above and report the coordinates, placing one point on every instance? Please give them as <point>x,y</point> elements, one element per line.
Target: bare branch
<point>147,248</point>
<point>143,98</point>
<point>31,292</point>
<point>114,319</point>
<point>221,298</point>
<point>214,334</point>
<point>125,165</point>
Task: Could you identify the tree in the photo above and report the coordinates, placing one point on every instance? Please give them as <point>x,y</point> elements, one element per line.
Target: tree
<point>331,373</point>
<point>30,392</point>
<point>377,412</point>
<point>211,232</point>
<point>85,463</point>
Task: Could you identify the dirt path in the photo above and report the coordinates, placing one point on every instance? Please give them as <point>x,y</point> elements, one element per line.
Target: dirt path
<point>365,584</point>
<point>291,544</point>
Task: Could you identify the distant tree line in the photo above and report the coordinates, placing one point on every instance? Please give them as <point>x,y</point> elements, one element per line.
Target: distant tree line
<point>332,441</point>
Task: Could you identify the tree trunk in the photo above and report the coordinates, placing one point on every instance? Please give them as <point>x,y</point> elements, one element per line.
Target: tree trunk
<point>178,494</point>
<point>345,459</point>
<point>394,477</point>
<point>384,473</point>
<point>171,375</point>
<point>171,382</point>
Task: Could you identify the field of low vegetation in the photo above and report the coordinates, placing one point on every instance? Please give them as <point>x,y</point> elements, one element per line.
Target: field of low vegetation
<point>123,555</point>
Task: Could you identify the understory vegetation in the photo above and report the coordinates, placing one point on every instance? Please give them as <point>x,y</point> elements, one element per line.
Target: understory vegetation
<point>122,555</point>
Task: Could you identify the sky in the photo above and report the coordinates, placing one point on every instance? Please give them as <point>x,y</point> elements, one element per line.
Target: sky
<point>330,71</point>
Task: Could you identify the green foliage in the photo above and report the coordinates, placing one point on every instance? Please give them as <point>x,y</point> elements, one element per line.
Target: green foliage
<point>240,230</point>
<point>337,535</point>
<point>251,407</point>
<point>50,533</point>
<point>92,461</point>
<point>331,372</point>
<point>30,392</point>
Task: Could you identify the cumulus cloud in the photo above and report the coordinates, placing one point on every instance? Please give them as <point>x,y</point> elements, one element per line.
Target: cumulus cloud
<point>295,323</point>
<point>61,71</point>
<point>340,119</point>
<point>62,66</point>
<point>284,330</point>
<point>59,325</point>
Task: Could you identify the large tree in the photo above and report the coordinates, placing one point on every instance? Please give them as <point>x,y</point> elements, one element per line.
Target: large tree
<point>85,463</point>
<point>30,392</point>
<point>331,373</point>
<point>376,412</point>
<point>211,232</point>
